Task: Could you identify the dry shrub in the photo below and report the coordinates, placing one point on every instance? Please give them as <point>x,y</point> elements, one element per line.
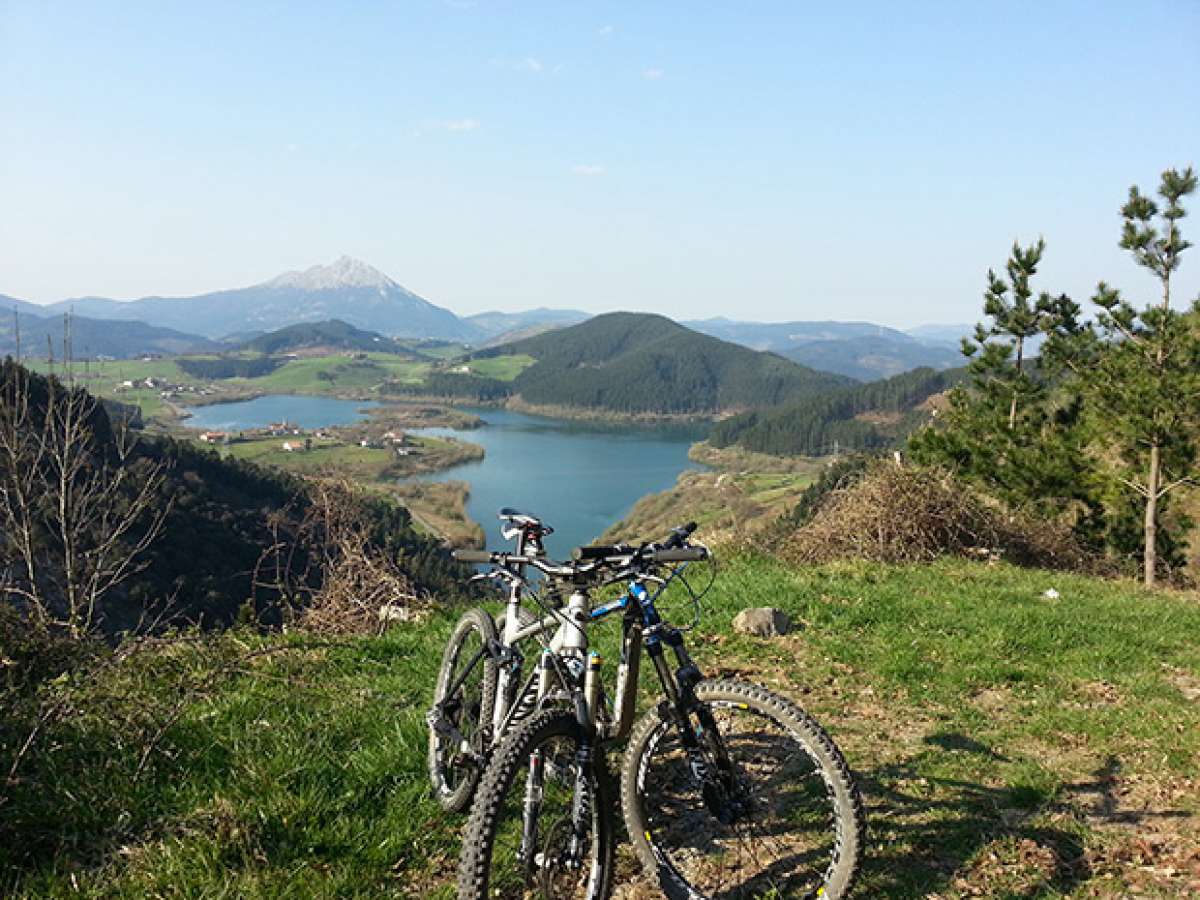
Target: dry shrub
<point>348,583</point>
<point>903,514</point>
<point>363,593</point>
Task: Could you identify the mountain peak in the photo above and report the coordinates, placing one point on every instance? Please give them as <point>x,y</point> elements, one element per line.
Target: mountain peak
<point>345,271</point>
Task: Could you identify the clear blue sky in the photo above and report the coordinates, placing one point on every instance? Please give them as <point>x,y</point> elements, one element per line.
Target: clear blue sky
<point>757,160</point>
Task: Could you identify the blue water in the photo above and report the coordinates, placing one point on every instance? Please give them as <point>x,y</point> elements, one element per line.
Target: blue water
<point>578,477</point>
<point>307,412</point>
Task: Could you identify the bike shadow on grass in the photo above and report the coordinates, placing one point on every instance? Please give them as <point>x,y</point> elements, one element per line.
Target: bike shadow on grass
<point>926,833</point>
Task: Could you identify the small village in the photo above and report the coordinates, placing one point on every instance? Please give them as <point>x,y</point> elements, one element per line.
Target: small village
<point>294,439</point>
<point>166,390</point>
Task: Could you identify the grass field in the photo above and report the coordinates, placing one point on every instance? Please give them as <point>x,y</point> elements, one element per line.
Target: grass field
<point>331,374</point>
<point>504,368</point>
<point>440,508</point>
<point>742,491</point>
<point>1008,745</point>
<point>337,374</point>
<point>115,371</point>
<point>363,464</point>
<point>351,460</point>
<point>104,379</point>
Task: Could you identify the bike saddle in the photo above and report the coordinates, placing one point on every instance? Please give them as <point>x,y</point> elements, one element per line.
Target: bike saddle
<point>517,522</point>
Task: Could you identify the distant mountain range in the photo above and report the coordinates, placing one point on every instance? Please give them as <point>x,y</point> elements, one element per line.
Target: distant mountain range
<point>502,327</point>
<point>41,333</point>
<point>952,335</point>
<point>348,290</point>
<point>860,350</point>
<point>361,297</point>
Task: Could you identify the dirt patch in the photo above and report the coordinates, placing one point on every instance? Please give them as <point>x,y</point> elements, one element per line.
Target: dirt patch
<point>1096,694</point>
<point>880,417</point>
<point>1012,867</point>
<point>1150,864</point>
<point>1184,681</point>
<point>993,700</point>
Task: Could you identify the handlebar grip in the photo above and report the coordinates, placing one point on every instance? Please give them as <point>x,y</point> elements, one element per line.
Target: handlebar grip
<point>600,551</point>
<point>681,554</point>
<point>473,556</point>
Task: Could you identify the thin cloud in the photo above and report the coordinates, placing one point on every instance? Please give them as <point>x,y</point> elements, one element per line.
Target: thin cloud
<point>588,170</point>
<point>460,124</point>
<point>653,74</point>
<point>605,31</point>
<point>530,65</point>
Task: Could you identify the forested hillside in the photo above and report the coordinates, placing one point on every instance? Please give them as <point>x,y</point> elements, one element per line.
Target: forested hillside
<point>44,333</point>
<point>637,363</point>
<point>862,417</point>
<point>333,333</point>
<point>207,534</point>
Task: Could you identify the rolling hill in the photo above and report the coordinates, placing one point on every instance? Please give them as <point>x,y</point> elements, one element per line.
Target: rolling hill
<point>638,363</point>
<point>860,350</point>
<point>871,357</point>
<point>859,417</point>
<point>502,327</point>
<point>89,338</point>
<point>333,334</point>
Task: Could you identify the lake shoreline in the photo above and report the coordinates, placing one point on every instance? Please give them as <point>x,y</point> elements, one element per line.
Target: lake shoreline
<point>582,474</point>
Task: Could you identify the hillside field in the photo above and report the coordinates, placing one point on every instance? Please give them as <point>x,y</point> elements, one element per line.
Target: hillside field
<point>1009,745</point>
<point>332,375</point>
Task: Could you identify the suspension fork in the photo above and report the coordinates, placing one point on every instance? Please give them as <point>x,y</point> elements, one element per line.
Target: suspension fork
<point>681,703</point>
<point>534,791</point>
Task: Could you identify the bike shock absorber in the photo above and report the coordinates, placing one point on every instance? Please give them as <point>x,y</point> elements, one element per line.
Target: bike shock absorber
<point>591,686</point>
<point>526,702</point>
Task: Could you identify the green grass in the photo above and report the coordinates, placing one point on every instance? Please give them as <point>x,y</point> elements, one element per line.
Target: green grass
<point>333,374</point>
<point>104,379</point>
<point>350,459</point>
<point>364,464</point>
<point>503,368</point>
<point>1009,745</point>
<point>337,374</point>
<point>739,493</point>
<point>118,370</point>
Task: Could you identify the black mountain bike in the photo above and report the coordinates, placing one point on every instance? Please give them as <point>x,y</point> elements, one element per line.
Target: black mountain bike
<point>727,789</point>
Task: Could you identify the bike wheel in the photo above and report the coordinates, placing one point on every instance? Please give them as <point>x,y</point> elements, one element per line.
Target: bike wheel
<point>518,841</point>
<point>782,818</point>
<point>455,766</point>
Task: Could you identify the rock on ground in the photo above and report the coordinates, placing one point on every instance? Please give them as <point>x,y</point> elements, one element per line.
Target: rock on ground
<point>764,621</point>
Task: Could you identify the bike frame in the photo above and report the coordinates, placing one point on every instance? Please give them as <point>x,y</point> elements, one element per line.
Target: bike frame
<point>642,628</point>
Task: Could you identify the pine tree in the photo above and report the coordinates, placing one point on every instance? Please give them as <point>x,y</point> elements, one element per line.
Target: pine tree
<point>1140,370</point>
<point>1013,321</point>
<point>1005,429</point>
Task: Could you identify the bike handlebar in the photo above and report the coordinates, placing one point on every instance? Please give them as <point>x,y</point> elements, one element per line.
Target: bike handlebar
<point>590,559</point>
<point>680,554</point>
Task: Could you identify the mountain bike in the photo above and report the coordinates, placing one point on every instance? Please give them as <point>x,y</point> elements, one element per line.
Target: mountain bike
<point>481,665</point>
<point>727,789</point>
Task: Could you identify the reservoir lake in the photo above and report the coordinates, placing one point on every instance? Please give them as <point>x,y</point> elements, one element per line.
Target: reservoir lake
<point>579,477</point>
<point>295,409</point>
